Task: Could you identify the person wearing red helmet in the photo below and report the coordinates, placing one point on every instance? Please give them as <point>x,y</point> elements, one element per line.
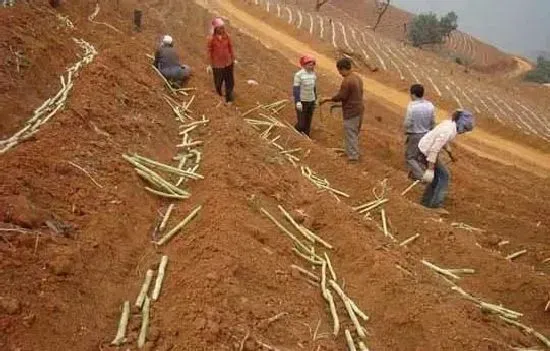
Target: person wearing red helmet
<point>222,59</point>
<point>305,93</point>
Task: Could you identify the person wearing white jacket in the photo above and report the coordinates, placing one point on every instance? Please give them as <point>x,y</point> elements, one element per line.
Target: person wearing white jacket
<point>430,146</point>
<point>304,90</point>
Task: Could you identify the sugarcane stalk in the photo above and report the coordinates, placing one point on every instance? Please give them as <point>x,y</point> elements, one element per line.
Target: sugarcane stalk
<point>349,341</point>
<point>409,240</point>
<point>180,225</point>
<point>305,272</point>
<point>439,270</point>
<point>296,225</point>
<point>165,80</point>
<point>528,330</point>
<point>334,314</point>
<point>499,310</point>
<point>360,207</point>
<point>144,288</point>
<point>165,218</point>
<point>120,337</point>
<point>189,129</point>
<point>204,121</point>
<point>316,238</point>
<point>160,278</point>
<point>252,110</point>
<point>154,181</point>
<point>373,206</point>
<point>329,265</point>
<point>324,278</point>
<point>338,192</point>
<point>462,270</point>
<point>191,144</point>
<point>516,255</point>
<point>257,122</point>
<point>292,162</point>
<point>307,258</point>
<point>351,312</point>
<point>156,176</point>
<point>410,187</point>
<point>291,151</point>
<point>286,231</point>
<point>166,167</point>
<point>144,323</point>
<point>384,222</point>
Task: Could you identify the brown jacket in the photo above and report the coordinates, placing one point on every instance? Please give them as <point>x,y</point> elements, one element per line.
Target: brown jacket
<point>351,96</point>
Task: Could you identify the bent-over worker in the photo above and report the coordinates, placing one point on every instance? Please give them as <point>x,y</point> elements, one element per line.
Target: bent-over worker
<point>430,146</point>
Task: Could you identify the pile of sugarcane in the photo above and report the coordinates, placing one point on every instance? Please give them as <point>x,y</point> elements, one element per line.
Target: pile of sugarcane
<point>321,183</point>
<point>144,298</point>
<point>52,105</point>
<point>158,184</point>
<point>188,158</point>
<point>143,303</point>
<point>509,316</point>
<point>327,280</point>
<point>377,204</point>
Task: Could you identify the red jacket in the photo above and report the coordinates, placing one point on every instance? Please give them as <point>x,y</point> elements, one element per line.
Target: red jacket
<point>220,51</point>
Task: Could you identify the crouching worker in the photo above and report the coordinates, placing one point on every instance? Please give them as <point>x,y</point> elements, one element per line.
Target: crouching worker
<point>168,63</point>
<point>305,94</point>
<point>436,175</point>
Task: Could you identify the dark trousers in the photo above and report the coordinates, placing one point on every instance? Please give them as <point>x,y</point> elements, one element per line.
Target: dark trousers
<point>436,191</point>
<point>221,76</point>
<point>304,117</point>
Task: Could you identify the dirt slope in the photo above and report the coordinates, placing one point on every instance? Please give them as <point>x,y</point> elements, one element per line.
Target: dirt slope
<point>229,270</point>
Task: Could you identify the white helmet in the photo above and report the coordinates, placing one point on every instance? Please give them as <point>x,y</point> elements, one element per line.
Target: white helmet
<point>167,40</point>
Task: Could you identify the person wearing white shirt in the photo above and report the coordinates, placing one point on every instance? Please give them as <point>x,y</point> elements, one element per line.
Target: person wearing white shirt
<point>436,175</point>
<point>419,120</point>
<point>304,90</point>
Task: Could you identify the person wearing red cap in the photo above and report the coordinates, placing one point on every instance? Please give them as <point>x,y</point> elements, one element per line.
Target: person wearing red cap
<point>221,58</point>
<point>305,93</point>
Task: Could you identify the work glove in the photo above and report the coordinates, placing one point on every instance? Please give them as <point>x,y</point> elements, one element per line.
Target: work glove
<point>209,69</point>
<point>299,106</point>
<point>428,176</point>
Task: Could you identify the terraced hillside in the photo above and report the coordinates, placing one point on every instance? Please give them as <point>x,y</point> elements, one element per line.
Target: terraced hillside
<point>499,107</point>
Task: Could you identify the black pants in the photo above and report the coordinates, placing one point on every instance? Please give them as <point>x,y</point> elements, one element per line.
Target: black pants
<point>305,116</point>
<point>224,75</point>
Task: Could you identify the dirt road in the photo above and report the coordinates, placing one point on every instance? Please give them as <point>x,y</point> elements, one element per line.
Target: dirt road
<point>480,142</point>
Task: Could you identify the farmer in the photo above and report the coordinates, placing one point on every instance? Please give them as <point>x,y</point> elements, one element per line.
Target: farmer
<point>351,96</point>
<point>168,63</point>
<point>222,59</point>
<point>305,93</point>
<point>430,146</point>
<point>419,120</point>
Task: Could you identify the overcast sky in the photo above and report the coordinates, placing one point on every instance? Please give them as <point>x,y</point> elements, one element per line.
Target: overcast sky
<point>517,26</point>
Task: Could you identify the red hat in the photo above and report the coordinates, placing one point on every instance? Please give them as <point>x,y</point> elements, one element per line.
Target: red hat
<point>304,60</point>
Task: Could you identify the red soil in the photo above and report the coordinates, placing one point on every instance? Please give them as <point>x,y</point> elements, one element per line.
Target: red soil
<point>229,269</point>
